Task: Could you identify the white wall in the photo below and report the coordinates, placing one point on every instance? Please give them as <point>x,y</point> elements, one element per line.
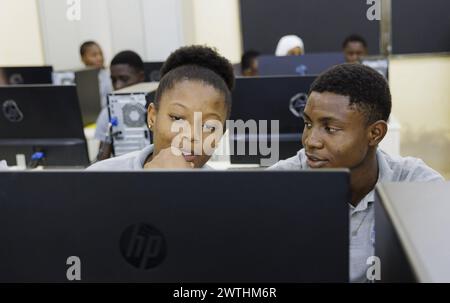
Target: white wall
<point>152,28</point>
<point>215,23</point>
<point>36,32</point>
<point>62,37</point>
<point>20,33</point>
<point>126,25</point>
<point>163,27</point>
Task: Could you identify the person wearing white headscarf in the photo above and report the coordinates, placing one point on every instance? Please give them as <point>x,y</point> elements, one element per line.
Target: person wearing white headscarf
<point>290,45</point>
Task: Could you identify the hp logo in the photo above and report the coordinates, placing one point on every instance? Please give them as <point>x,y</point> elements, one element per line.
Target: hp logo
<point>143,246</point>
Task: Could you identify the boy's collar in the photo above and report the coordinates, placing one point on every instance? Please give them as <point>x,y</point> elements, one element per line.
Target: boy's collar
<point>385,174</point>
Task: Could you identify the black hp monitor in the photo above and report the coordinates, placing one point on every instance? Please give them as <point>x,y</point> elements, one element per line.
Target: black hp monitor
<point>191,226</point>
<point>271,101</point>
<point>43,124</point>
<point>26,75</point>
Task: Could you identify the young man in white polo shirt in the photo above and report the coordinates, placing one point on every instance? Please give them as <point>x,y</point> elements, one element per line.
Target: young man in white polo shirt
<point>345,119</point>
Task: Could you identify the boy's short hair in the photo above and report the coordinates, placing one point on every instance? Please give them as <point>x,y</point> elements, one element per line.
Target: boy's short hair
<point>354,38</point>
<point>366,88</point>
<point>130,58</point>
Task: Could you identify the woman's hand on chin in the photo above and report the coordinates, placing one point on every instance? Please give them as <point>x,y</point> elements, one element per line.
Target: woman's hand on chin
<point>167,159</point>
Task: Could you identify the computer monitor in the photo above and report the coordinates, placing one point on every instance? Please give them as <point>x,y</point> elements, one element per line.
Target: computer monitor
<point>191,226</point>
<point>275,98</point>
<point>308,64</point>
<point>42,118</point>
<point>88,89</point>
<point>152,71</point>
<point>26,75</point>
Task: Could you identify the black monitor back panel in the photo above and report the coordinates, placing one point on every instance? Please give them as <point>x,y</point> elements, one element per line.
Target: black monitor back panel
<point>322,24</point>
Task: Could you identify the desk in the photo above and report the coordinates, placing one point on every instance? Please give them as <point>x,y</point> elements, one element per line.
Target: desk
<point>412,226</point>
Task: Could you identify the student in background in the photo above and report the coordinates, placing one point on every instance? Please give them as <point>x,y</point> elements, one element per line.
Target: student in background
<point>345,120</point>
<point>92,57</point>
<point>249,63</point>
<point>195,80</point>
<point>127,68</point>
<point>354,48</point>
<point>290,45</point>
